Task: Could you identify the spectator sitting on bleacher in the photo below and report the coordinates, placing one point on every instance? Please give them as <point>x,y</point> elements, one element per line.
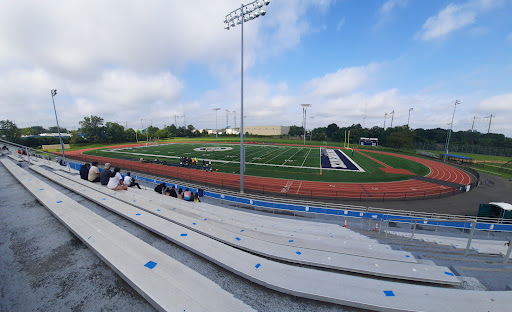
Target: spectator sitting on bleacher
<point>180,194</point>
<point>187,195</point>
<point>161,188</point>
<point>130,181</point>
<point>94,173</point>
<point>115,182</point>
<point>105,174</point>
<point>84,171</point>
<point>196,198</point>
<point>172,192</point>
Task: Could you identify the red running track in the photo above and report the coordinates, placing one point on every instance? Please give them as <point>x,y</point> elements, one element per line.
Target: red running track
<point>406,189</point>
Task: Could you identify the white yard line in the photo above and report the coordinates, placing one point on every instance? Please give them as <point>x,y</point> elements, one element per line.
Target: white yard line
<point>307,157</point>
<point>286,150</point>
<point>291,156</point>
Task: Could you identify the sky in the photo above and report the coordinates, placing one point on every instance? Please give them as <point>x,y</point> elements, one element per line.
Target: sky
<point>151,62</point>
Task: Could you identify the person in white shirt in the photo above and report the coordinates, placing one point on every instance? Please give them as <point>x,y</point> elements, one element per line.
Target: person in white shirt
<point>130,181</point>
<point>116,181</point>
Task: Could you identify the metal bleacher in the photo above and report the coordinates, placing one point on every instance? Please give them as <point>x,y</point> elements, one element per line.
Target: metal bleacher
<point>224,236</point>
<point>167,284</point>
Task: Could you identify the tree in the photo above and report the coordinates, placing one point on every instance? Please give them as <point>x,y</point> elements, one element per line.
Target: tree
<point>76,138</point>
<point>114,132</point>
<point>38,129</point>
<point>54,129</point>
<point>130,135</point>
<point>28,131</point>
<point>331,129</point>
<point>92,128</point>
<point>296,131</point>
<point>9,131</point>
<point>401,137</point>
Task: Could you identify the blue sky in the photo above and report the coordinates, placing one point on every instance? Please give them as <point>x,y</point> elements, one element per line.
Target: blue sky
<point>156,59</point>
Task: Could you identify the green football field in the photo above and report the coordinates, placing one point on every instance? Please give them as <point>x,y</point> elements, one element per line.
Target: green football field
<point>288,162</point>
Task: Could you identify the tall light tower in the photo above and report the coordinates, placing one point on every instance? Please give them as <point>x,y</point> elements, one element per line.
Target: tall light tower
<point>451,126</point>
<point>392,117</point>
<point>311,134</point>
<point>216,109</point>
<point>239,16</point>
<point>227,119</point>
<point>385,116</point>
<point>410,110</point>
<point>54,93</point>
<point>304,108</point>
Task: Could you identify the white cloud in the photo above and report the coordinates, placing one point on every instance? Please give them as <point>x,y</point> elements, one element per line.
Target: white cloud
<point>385,12</point>
<point>342,82</point>
<point>497,103</point>
<point>454,17</point>
<point>389,5</point>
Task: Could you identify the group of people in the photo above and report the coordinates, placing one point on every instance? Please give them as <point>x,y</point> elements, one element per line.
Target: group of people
<point>180,194</point>
<point>112,179</point>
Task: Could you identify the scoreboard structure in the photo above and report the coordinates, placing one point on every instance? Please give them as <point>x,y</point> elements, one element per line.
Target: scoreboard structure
<point>369,141</point>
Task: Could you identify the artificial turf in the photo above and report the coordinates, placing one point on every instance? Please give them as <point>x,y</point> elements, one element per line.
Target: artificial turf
<point>288,162</point>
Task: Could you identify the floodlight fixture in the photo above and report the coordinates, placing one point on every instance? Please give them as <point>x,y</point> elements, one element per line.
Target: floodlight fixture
<point>242,15</point>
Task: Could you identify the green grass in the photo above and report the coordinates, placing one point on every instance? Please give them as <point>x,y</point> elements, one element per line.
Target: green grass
<point>289,162</point>
<point>400,163</point>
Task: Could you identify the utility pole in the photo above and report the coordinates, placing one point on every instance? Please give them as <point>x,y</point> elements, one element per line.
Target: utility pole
<point>304,108</point>
<point>473,123</point>
<point>234,118</point>
<point>216,127</point>
<point>364,119</point>
<point>408,118</point>
<point>490,119</point>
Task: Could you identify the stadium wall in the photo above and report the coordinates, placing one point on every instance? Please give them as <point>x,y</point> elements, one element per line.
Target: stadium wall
<point>267,130</point>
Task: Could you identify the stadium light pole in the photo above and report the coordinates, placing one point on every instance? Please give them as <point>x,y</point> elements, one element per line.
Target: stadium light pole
<point>54,93</point>
<point>304,108</point>
<point>392,117</point>
<point>240,16</point>
<point>385,117</point>
<point>311,134</point>
<point>450,132</point>
<point>216,109</point>
<point>408,118</point>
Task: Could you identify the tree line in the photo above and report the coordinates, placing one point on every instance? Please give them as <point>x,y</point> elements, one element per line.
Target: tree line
<point>402,136</point>
<point>94,129</point>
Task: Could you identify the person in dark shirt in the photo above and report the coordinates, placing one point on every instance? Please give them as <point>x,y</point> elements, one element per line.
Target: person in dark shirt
<point>172,192</point>
<point>105,174</point>
<point>84,171</point>
<point>161,188</point>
